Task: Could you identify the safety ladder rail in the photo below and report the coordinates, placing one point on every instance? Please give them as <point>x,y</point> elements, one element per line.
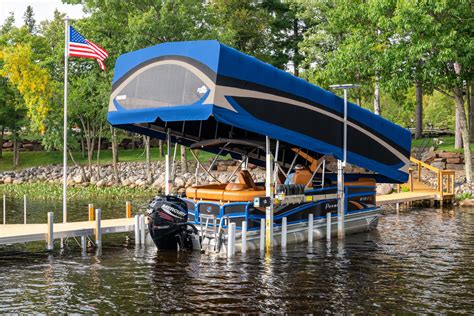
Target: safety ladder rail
<point>207,231</point>
<point>445,178</point>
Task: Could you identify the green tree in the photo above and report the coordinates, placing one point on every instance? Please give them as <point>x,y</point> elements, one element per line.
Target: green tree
<point>244,25</point>
<point>439,37</point>
<point>29,19</point>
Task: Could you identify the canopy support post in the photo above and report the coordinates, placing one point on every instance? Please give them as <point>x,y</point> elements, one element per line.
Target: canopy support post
<point>167,163</point>
<point>341,199</point>
<point>269,193</point>
<point>340,177</point>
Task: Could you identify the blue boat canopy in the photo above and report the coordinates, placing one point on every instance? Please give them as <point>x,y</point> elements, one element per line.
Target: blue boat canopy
<point>203,90</point>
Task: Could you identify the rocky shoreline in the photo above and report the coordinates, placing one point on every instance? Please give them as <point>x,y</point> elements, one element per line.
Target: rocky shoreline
<point>135,175</point>
<point>131,174</point>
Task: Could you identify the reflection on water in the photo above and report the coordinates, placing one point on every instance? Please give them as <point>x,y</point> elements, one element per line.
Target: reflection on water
<point>419,261</point>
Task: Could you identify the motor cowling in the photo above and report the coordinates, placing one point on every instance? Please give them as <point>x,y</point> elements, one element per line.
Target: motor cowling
<point>167,224</point>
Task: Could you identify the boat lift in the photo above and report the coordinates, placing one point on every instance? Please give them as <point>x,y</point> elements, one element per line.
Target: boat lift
<point>200,92</point>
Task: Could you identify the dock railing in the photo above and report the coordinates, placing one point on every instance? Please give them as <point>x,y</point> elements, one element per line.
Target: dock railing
<point>444,178</point>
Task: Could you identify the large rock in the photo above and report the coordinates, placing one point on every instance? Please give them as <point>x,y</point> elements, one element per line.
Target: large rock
<point>7,145</point>
<point>447,154</point>
<point>455,160</point>
<point>467,202</point>
<point>78,179</point>
<point>126,182</point>
<point>101,183</point>
<point>17,181</point>
<point>451,166</point>
<point>384,188</point>
<point>428,156</point>
<point>439,164</point>
<point>179,182</point>
<point>7,180</point>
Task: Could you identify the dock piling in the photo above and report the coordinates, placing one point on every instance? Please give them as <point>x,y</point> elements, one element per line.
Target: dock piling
<point>244,237</point>
<point>231,240</point>
<point>50,233</point>
<point>328,226</point>
<point>4,209</point>
<point>91,212</point>
<point>24,209</point>
<point>142,229</point>
<point>128,209</point>
<point>310,229</point>
<point>98,229</point>
<point>84,243</point>
<point>137,230</point>
<point>283,232</point>
<point>262,234</point>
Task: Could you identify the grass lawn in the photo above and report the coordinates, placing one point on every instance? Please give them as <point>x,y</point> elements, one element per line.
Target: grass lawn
<point>447,145</point>
<point>41,158</point>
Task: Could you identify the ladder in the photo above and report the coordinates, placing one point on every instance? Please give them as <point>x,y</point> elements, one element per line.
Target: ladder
<point>211,230</point>
<point>207,230</point>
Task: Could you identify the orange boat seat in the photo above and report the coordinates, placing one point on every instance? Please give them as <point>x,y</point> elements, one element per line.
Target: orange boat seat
<point>303,177</point>
<point>243,191</point>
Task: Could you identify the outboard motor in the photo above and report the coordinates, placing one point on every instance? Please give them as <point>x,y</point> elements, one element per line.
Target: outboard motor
<point>168,226</point>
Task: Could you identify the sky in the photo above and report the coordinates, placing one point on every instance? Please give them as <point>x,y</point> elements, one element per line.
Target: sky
<point>43,9</point>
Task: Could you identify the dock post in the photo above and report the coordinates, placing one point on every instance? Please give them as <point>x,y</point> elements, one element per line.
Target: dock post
<point>4,209</point>
<point>84,243</point>
<point>98,229</point>
<point>328,226</point>
<point>24,209</point>
<point>283,232</point>
<point>244,237</point>
<point>262,234</point>
<point>310,229</point>
<point>142,229</point>
<point>342,199</point>
<point>91,212</point>
<point>137,230</point>
<point>231,240</point>
<point>128,209</point>
<point>50,234</point>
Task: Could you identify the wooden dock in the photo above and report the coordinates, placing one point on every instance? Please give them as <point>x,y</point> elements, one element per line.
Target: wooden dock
<point>416,190</point>
<point>10,234</point>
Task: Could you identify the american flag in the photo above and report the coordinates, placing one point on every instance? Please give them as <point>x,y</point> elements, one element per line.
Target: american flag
<point>78,46</point>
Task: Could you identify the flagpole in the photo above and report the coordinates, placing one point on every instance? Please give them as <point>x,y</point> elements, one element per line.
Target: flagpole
<point>66,55</point>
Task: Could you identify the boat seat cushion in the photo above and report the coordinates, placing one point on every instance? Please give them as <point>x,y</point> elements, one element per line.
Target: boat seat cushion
<point>302,177</point>
<point>244,176</point>
<point>236,186</point>
<point>242,196</point>
<point>228,192</point>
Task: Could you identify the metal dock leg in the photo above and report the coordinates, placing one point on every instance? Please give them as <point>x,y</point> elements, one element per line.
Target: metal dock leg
<point>98,229</point>
<point>24,209</point>
<point>50,233</point>
<point>328,226</point>
<point>137,230</point>
<point>84,243</point>
<point>244,237</point>
<point>283,232</point>
<point>310,229</point>
<point>142,229</point>
<point>262,234</point>
<point>231,240</point>
<point>4,209</point>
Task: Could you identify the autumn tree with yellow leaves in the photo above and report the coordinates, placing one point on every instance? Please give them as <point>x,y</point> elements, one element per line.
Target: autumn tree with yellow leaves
<point>31,81</point>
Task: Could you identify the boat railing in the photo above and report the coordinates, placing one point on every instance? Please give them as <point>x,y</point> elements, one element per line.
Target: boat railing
<point>444,178</point>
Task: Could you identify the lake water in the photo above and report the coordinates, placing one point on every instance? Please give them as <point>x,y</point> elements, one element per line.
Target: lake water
<point>419,261</point>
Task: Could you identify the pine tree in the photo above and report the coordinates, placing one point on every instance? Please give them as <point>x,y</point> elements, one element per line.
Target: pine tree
<point>29,19</point>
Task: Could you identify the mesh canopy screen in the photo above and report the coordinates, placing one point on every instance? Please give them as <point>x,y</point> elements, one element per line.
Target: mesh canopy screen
<point>163,85</point>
